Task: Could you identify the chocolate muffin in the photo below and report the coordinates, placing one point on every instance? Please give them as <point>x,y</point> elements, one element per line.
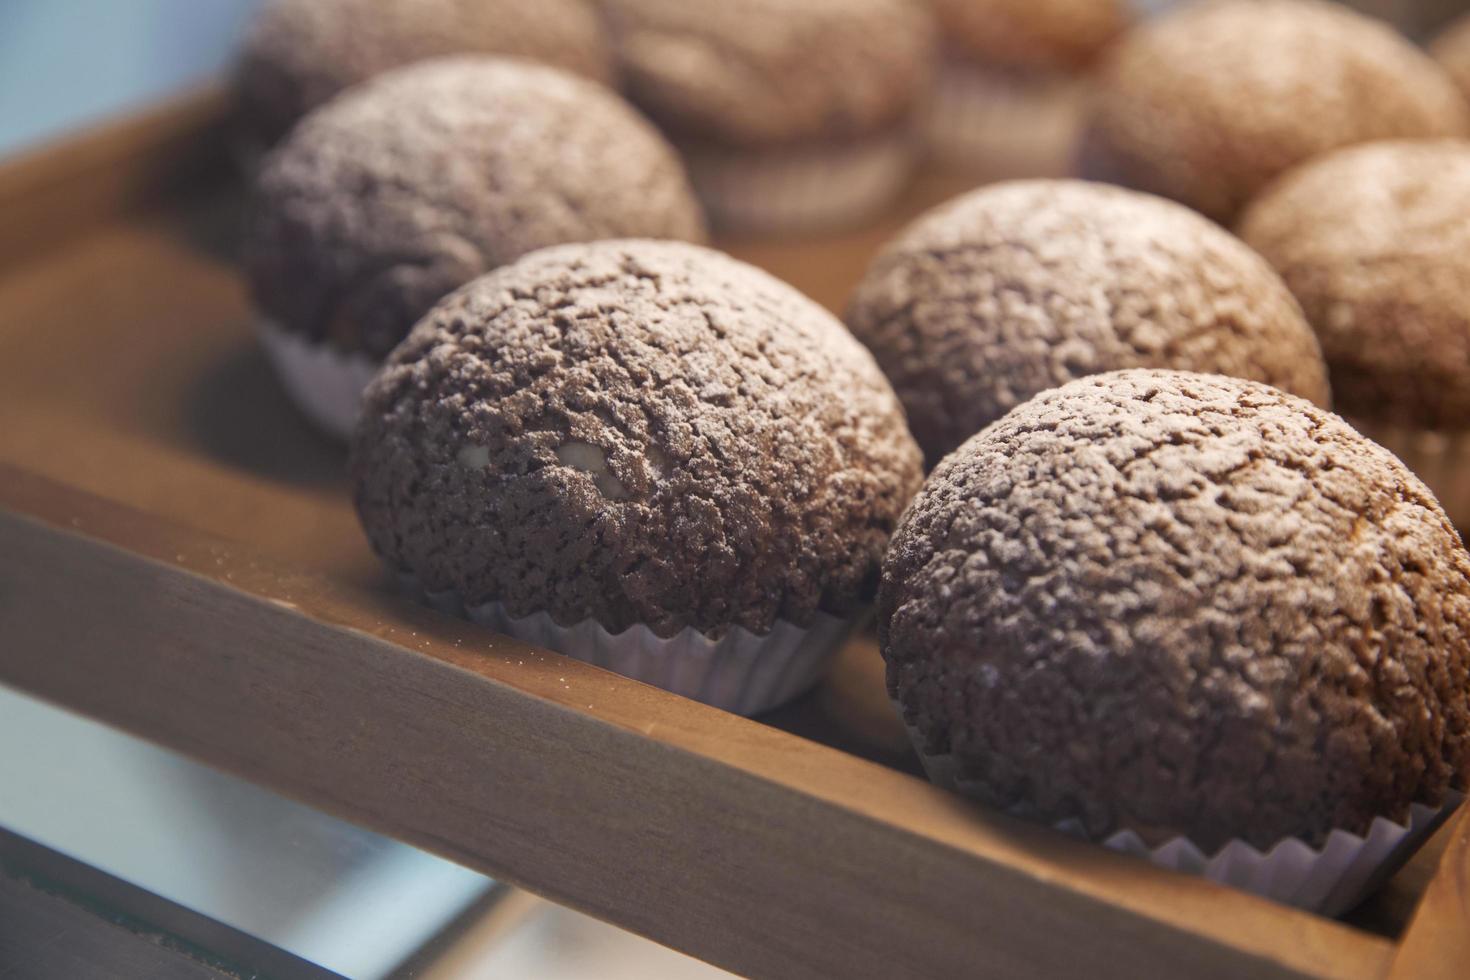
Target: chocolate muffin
<point>1375,243</point>
<point>1009,89</point>
<point>1452,50</point>
<point>641,436</point>
<point>1209,102</point>
<point>791,114</point>
<point>1025,285</point>
<point>300,53</point>
<point>1182,604</point>
<point>415,182</point>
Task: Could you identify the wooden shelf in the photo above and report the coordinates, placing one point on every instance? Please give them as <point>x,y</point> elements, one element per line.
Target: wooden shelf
<point>178,557</point>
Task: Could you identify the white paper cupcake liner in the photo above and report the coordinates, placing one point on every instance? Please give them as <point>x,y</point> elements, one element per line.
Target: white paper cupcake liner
<point>994,120</point>
<point>1440,459</point>
<point>325,384</point>
<point>741,672</point>
<point>1329,880</point>
<point>801,190</point>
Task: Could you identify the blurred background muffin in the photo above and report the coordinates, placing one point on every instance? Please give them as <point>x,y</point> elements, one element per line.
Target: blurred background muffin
<point>1022,286</point>
<point>1210,101</point>
<point>411,184</point>
<point>300,53</point>
<point>791,114</point>
<point>1007,98</point>
<point>1375,243</point>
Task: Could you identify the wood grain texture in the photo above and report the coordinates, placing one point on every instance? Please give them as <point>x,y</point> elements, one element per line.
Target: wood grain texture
<point>1436,945</point>
<point>743,845</point>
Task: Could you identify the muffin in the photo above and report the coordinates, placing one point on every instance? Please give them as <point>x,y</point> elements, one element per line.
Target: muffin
<point>1009,88</point>
<point>1022,286</point>
<point>1452,50</point>
<point>1375,243</point>
<point>646,455</point>
<point>413,183</point>
<point>300,53</point>
<point>792,114</point>
<point>1153,605</point>
<point>1209,102</point>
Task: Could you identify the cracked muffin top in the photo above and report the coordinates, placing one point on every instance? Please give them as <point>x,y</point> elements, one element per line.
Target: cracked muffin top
<point>1375,243</point>
<point>411,184</point>
<point>1032,35</point>
<point>300,53</point>
<point>764,72</point>
<point>1208,103</point>
<point>635,432</point>
<point>1025,285</point>
<point>1181,603</point>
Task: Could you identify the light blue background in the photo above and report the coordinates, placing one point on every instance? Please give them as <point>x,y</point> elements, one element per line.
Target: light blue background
<point>67,63</point>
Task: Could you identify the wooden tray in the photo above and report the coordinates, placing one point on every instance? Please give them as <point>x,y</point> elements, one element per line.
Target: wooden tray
<point>178,557</point>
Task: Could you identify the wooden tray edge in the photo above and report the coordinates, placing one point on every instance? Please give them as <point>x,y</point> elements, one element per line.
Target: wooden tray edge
<point>64,187</point>
<point>810,862</point>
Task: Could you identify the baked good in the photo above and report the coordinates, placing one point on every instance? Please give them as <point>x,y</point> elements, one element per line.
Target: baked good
<point>1210,101</point>
<point>791,114</point>
<point>297,54</point>
<point>1182,605</point>
<point>647,437</point>
<point>1024,285</point>
<point>415,182</point>
<point>1375,243</point>
<point>1009,89</point>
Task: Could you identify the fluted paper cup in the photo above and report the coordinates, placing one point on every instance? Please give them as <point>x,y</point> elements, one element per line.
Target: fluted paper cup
<point>324,383</point>
<point>1330,879</point>
<point>740,671</point>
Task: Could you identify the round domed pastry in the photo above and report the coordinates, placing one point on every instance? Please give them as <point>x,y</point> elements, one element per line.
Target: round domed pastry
<point>1022,286</point>
<point>792,115</point>
<point>401,190</point>
<point>300,53</point>
<point>1209,102</point>
<point>1192,617</point>
<point>1009,89</point>
<point>643,454</point>
<point>1375,243</point>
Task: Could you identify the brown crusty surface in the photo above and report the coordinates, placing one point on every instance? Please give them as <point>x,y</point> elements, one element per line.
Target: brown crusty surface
<point>1452,50</point>
<point>1025,285</point>
<point>635,432</point>
<point>763,72</point>
<point>1375,243</point>
<point>1031,35</point>
<point>299,53</point>
<point>1208,103</point>
<point>415,182</point>
<point>1183,603</point>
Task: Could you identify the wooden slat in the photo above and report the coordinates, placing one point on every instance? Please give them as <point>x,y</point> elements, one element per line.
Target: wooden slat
<point>59,189</point>
<point>133,916</point>
<point>45,937</point>
<point>722,837</point>
<point>1437,943</point>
